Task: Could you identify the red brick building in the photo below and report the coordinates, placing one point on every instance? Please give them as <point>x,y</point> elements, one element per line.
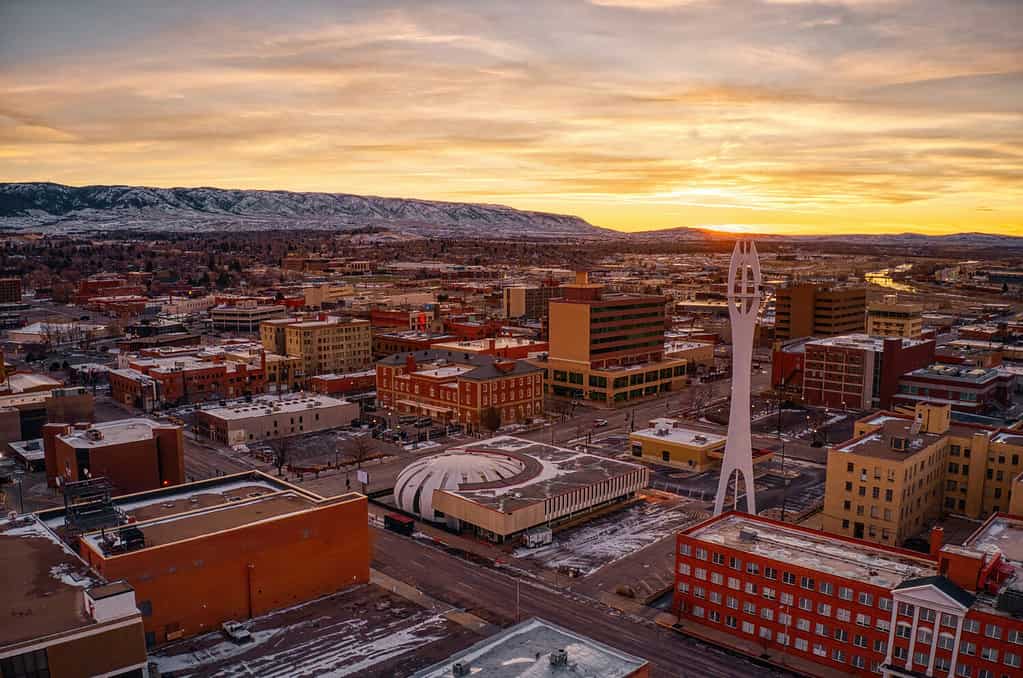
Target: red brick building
<point>228,548</point>
<point>857,607</point>
<point>973,390</point>
<point>853,371</point>
<point>341,384</point>
<point>111,285</point>
<point>458,387</point>
<point>133,454</point>
<point>146,382</point>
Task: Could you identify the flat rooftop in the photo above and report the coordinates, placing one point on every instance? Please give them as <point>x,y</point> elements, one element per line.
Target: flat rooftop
<point>174,499</point>
<point>863,341</point>
<point>524,650</point>
<point>265,405</point>
<point>43,583</point>
<point>858,561</point>
<point>879,443</point>
<point>226,515</point>
<point>1002,534</point>
<point>116,432</point>
<point>559,470</point>
<point>680,435</point>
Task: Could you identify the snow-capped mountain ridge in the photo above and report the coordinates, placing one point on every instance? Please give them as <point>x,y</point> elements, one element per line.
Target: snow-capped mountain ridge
<point>56,206</point>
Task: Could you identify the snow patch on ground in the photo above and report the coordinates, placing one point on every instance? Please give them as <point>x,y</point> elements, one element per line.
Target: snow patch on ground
<point>593,545</point>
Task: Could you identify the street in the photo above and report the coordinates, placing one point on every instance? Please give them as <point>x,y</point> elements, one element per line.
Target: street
<point>492,595</point>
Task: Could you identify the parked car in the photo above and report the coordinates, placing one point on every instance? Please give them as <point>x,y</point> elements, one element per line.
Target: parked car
<point>236,633</point>
<point>599,422</point>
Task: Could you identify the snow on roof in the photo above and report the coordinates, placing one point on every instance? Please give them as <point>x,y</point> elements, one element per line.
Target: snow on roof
<point>824,553</point>
<point>113,433</point>
<point>668,430</point>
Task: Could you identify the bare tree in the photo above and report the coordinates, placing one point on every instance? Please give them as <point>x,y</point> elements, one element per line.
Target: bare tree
<point>281,449</point>
<point>358,450</point>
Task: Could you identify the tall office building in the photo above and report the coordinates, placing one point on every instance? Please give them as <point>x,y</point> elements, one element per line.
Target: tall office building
<point>525,301</point>
<point>817,310</point>
<point>326,344</point>
<point>608,348</point>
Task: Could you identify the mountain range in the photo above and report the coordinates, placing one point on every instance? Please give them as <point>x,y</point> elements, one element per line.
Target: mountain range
<point>49,207</point>
<point>57,208</point>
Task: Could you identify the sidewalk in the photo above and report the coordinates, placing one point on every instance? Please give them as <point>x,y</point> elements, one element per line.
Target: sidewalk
<point>749,647</point>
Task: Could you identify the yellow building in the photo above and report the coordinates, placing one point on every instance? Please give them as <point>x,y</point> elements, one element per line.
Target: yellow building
<point>890,318</point>
<point>325,345</point>
<point>670,443</point>
<point>608,348</point>
<point>899,473</point>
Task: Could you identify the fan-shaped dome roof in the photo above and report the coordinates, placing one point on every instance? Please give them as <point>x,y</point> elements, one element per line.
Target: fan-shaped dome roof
<point>413,491</point>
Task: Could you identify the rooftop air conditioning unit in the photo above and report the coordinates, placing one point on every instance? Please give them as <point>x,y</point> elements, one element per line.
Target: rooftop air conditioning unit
<point>460,669</point>
<point>747,535</point>
<point>559,657</point>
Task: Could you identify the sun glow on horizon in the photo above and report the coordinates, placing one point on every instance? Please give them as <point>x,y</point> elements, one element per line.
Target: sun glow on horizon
<point>815,118</point>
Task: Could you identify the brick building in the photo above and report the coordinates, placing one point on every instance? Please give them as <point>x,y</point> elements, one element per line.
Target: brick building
<point>146,382</point>
<point>458,387</point>
<point>511,348</point>
<point>857,371</point>
<point>839,605</point>
<point>389,343</point>
<point>341,384</point>
<point>324,344</point>
<point>973,390</point>
<point>111,285</point>
<point>227,549</point>
<point>133,454</point>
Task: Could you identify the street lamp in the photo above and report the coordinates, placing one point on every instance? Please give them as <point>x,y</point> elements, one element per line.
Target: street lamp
<point>19,474</point>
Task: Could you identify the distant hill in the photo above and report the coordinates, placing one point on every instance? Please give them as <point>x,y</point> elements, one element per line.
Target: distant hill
<point>58,208</point>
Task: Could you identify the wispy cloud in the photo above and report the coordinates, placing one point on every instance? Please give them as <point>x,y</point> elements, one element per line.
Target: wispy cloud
<point>877,114</point>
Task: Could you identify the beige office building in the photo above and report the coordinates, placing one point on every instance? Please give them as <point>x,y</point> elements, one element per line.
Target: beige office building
<point>325,345</point>
<point>899,473</point>
<point>891,318</point>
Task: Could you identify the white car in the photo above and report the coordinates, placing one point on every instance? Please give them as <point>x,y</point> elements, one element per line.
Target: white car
<point>236,632</point>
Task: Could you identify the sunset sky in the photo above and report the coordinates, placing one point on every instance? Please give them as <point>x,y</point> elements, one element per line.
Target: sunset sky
<point>750,115</point>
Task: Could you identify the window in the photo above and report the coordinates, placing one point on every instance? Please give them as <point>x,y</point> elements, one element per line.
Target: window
<point>881,646</point>
<point>971,626</point>
<point>786,599</point>
<point>751,588</point>
<point>145,607</point>
<point>26,665</point>
<point>749,608</point>
<point>770,573</point>
<point>993,631</point>
<point>701,573</point>
<point>684,569</point>
<point>927,614</point>
<point>968,648</point>
<point>683,587</point>
<point>923,636</point>
<point>899,652</point>
<point>859,640</point>
<point>699,592</point>
<point>838,655</point>
<point>858,661</point>
<point>827,588</point>
<point>732,602</point>
<point>820,629</point>
<point>903,630</point>
<point>963,670</point>
<point>715,597</point>
<point>1012,659</point>
<point>845,593</point>
<point>749,627</point>
<point>818,649</point>
<point>862,619</point>
<point>788,578</point>
<point>801,644</point>
<point>921,658</point>
<point>734,563</point>
<point>752,568</point>
<point>823,609</point>
<point>843,615</point>
<point>1016,637</point>
<point>701,554</point>
<point>731,622</point>
<point>684,549</point>
<point>784,619</point>
<point>842,635</point>
<point>885,604</point>
<point>807,583</point>
<point>805,604</point>
<point>768,593</point>
<point>714,616</point>
<point>697,611</point>
<point>866,599</point>
<point>803,624</point>
<point>946,641</point>
<point>734,583</point>
<point>906,609</point>
<point>782,639</point>
<point>717,578</point>
<point>767,613</point>
<point>718,558</point>
<point>989,653</point>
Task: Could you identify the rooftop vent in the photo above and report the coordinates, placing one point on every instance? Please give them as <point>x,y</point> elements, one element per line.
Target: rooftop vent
<point>747,535</point>
<point>559,657</point>
<point>460,669</point>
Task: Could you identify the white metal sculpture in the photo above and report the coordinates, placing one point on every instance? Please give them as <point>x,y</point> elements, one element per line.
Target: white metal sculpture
<point>743,307</point>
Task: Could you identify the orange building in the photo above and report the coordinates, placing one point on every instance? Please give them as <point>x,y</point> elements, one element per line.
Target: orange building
<point>458,387</point>
<point>133,454</point>
<point>511,348</point>
<point>230,548</point>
